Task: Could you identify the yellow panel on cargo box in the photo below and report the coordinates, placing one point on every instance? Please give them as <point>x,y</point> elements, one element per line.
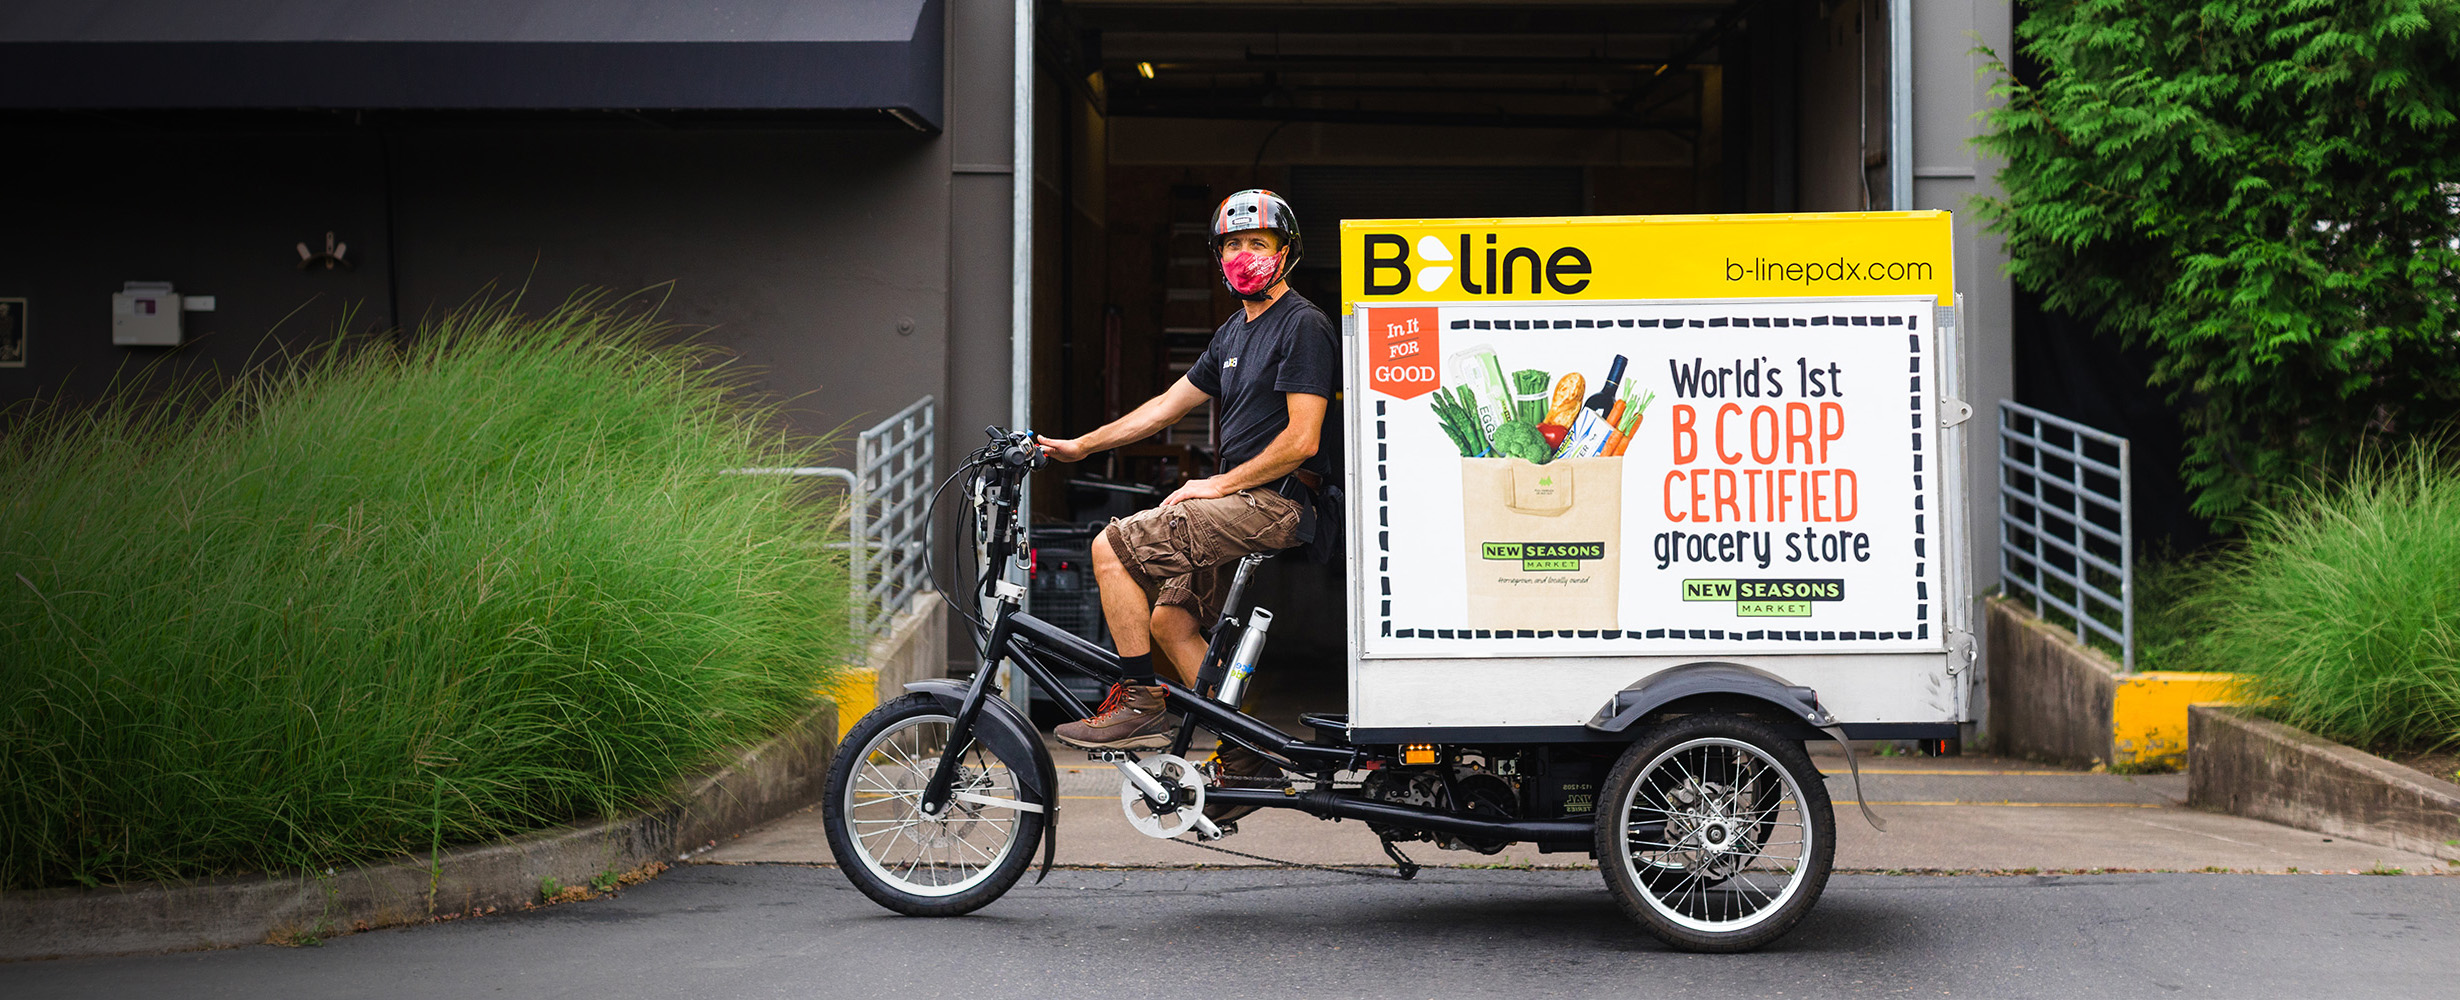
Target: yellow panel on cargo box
<point>1624,257</point>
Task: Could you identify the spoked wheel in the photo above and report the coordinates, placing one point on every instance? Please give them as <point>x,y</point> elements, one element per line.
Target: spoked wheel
<point>1716,833</point>
<point>915,864</point>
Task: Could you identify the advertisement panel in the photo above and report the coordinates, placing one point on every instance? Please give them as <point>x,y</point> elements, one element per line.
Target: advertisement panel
<point>1588,471</point>
<point>1631,258</point>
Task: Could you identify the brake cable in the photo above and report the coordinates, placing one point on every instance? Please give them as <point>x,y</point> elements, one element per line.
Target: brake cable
<point>931,520</point>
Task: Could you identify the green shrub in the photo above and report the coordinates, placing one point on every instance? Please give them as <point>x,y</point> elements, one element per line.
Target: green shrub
<point>394,598</point>
<point>2344,605</point>
<point>2168,618</point>
<point>2265,192</point>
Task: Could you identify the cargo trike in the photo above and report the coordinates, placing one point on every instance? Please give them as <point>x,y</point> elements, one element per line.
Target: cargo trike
<point>1574,623</point>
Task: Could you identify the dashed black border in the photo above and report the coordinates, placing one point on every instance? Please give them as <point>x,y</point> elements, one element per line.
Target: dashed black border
<point>1921,606</point>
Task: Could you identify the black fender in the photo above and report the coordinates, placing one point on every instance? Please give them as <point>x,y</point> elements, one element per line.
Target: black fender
<point>1709,682</point>
<point>1713,686</point>
<point>1000,726</point>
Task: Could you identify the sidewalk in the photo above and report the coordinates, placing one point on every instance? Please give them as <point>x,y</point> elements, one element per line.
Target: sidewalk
<point>1943,814</point>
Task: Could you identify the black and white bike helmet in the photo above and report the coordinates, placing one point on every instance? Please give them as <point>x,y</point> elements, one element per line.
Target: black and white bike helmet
<point>1256,208</point>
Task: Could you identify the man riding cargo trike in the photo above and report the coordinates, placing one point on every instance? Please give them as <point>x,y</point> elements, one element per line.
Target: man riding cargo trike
<point>1573,622</point>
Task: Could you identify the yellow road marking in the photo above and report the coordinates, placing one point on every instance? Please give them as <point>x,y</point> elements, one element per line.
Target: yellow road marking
<point>2030,805</point>
<point>1916,770</point>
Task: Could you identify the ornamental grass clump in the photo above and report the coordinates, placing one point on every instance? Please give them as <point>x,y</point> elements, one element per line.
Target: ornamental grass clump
<point>392,599</point>
<point>2343,605</point>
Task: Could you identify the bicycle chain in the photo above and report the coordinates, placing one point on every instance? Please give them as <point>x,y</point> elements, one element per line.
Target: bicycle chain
<point>1408,869</point>
<point>1403,875</point>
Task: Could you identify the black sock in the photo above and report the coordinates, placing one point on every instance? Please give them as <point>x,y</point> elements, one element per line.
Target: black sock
<point>1137,670</point>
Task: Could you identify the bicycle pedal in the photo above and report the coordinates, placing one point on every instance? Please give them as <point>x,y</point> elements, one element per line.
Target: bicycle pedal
<point>1226,830</point>
<point>1107,756</point>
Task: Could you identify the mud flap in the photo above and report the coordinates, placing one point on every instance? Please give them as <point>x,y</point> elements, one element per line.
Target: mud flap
<point>1837,733</point>
<point>1002,728</point>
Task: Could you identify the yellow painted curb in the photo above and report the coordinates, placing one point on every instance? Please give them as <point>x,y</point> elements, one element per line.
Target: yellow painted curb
<point>856,692</point>
<point>2148,714</point>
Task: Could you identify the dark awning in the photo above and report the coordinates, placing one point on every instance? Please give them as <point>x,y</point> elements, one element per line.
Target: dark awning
<point>705,55</point>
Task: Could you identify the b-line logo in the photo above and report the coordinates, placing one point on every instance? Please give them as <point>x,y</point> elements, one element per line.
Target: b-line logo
<point>1766,598</point>
<point>1544,557</point>
<point>1389,271</point>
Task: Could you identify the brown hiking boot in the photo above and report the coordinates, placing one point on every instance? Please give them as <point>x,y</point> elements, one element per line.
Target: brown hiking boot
<point>1235,766</point>
<point>1130,719</point>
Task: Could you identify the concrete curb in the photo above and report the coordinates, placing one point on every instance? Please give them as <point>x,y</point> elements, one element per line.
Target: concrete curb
<point>2050,698</point>
<point>2264,770</point>
<point>2053,698</point>
<point>777,777</point>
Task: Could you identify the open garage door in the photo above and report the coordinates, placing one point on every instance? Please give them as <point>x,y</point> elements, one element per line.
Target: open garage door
<point>1153,110</point>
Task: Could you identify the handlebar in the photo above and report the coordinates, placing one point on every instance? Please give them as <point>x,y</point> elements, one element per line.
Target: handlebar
<point>1014,449</point>
<point>1002,466</point>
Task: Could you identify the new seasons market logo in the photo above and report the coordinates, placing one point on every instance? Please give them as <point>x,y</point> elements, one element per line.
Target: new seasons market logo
<point>1506,269</point>
<point>1766,598</point>
<point>1545,557</point>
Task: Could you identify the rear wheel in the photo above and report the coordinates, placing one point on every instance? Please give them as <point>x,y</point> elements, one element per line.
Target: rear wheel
<point>912,863</point>
<point>1716,833</point>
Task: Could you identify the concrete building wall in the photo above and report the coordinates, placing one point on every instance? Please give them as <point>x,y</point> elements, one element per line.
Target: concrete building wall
<point>976,247</point>
<point>1949,89</point>
<point>811,256</point>
<point>213,210</point>
<point>845,269</point>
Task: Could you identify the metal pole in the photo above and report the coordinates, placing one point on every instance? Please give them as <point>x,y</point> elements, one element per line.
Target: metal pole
<point>1021,275</point>
<point>860,497</point>
<point>1900,105</point>
<point>2126,556</point>
<point>2041,580</point>
<point>2076,532</point>
<point>1021,228</point>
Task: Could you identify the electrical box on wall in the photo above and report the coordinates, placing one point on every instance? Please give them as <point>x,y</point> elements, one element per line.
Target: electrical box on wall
<point>145,314</point>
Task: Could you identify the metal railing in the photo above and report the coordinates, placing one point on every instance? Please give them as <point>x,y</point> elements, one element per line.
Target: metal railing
<point>893,463</point>
<point>888,498</point>
<point>2066,526</point>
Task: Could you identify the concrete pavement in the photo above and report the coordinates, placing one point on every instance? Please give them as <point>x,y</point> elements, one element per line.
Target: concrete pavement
<point>1971,813</point>
<point>1230,934</point>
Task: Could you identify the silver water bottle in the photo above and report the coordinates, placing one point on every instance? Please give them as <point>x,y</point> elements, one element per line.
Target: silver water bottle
<point>1243,661</point>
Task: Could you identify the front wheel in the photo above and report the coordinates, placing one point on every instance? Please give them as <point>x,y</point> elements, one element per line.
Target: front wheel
<point>915,864</point>
<point>1716,833</point>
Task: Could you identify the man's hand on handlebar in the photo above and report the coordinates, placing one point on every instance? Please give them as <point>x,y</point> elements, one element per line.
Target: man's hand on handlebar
<point>1063,449</point>
<point>1197,489</point>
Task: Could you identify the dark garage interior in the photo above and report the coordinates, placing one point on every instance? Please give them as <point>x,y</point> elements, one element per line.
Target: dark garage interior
<point>1150,112</point>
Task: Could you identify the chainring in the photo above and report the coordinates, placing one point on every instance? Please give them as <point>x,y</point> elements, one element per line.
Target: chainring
<point>1186,784</point>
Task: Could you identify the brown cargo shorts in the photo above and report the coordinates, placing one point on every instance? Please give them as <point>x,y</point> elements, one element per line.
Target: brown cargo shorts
<point>1182,554</point>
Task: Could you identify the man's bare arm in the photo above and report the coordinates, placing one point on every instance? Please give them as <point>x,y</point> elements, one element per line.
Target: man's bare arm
<point>1293,446</point>
<point>1141,423</point>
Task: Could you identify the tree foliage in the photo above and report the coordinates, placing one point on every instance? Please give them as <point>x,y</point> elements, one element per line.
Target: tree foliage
<point>2266,192</point>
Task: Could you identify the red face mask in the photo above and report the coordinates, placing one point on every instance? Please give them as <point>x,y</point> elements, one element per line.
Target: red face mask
<point>1250,272</point>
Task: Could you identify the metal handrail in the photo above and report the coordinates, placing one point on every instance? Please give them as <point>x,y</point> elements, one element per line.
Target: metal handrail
<point>887,505</point>
<point>894,461</point>
<point>2055,540</point>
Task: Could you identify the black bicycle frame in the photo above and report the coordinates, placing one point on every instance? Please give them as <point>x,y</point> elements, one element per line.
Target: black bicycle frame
<point>1033,644</point>
<point>1028,642</point>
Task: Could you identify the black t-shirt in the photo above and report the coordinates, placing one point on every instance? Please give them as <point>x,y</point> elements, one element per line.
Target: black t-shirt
<point>1250,366</point>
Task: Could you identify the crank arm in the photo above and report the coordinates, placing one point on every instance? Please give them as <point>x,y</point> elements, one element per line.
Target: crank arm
<point>1151,789</point>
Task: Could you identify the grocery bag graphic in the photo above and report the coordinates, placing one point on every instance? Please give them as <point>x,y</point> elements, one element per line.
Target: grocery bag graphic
<point>1544,542</point>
